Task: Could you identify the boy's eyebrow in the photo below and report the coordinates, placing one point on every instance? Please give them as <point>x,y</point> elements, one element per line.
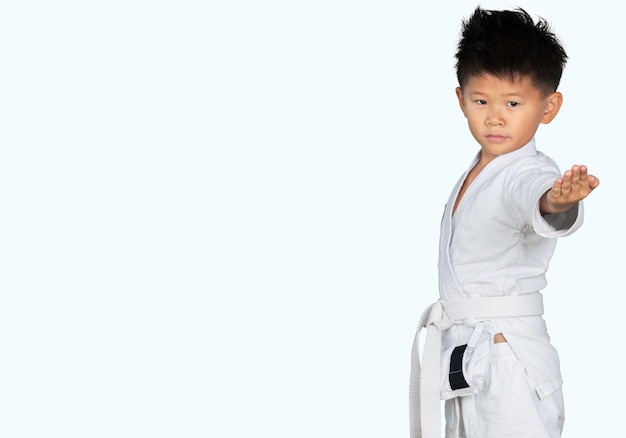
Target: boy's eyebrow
<point>482,93</point>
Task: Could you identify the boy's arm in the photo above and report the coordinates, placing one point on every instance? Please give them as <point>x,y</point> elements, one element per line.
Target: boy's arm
<point>575,185</point>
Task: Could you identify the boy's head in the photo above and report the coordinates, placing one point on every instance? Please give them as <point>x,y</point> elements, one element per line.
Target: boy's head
<point>510,46</point>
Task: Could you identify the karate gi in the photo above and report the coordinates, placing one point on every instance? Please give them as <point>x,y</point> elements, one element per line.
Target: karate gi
<point>494,251</point>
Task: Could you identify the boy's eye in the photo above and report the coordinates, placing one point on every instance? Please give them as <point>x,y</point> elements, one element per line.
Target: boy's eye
<point>481,102</point>
<point>512,103</point>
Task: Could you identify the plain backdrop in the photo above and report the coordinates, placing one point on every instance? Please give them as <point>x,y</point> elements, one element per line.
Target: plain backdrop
<point>220,219</point>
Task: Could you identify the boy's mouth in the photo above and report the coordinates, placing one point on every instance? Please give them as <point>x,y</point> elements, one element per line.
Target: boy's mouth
<point>496,138</point>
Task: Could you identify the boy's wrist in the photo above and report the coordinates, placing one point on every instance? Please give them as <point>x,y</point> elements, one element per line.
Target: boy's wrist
<point>548,207</point>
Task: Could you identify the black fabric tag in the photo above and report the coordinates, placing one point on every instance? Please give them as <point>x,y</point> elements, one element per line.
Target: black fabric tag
<point>456,377</point>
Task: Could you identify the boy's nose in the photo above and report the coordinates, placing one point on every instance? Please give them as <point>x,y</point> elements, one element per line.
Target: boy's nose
<point>494,119</point>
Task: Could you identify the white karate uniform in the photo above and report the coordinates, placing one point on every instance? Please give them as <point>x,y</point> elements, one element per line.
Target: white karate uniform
<point>497,244</point>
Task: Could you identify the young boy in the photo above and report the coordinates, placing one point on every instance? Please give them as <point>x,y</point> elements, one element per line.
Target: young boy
<point>487,350</point>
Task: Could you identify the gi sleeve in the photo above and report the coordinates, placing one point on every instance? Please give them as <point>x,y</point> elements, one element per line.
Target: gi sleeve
<point>559,224</point>
<point>528,185</point>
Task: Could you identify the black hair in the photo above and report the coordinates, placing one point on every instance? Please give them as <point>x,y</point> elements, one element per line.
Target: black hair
<point>509,45</point>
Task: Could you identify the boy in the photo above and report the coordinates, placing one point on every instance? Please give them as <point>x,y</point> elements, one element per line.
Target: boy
<point>487,350</point>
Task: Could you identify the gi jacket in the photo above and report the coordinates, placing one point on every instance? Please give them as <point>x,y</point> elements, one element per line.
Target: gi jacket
<point>497,243</point>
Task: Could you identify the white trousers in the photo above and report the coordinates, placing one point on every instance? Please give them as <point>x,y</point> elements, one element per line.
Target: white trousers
<point>507,406</point>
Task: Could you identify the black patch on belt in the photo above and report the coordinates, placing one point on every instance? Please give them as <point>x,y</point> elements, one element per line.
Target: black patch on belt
<point>456,377</point>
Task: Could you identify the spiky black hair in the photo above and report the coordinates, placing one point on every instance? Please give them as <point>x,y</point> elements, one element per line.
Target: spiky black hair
<point>510,45</point>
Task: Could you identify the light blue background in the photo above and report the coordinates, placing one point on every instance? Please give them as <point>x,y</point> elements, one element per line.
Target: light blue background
<point>220,219</point>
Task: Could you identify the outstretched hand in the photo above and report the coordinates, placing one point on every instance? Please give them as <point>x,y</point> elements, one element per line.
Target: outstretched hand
<point>575,185</point>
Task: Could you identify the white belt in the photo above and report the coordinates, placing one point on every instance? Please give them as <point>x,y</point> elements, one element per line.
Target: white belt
<point>424,391</point>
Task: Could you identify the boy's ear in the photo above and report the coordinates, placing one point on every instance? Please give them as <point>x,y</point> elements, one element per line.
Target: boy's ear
<point>553,105</point>
<point>459,95</point>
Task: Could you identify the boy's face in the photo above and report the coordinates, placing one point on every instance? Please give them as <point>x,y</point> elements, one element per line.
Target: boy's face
<point>502,115</point>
